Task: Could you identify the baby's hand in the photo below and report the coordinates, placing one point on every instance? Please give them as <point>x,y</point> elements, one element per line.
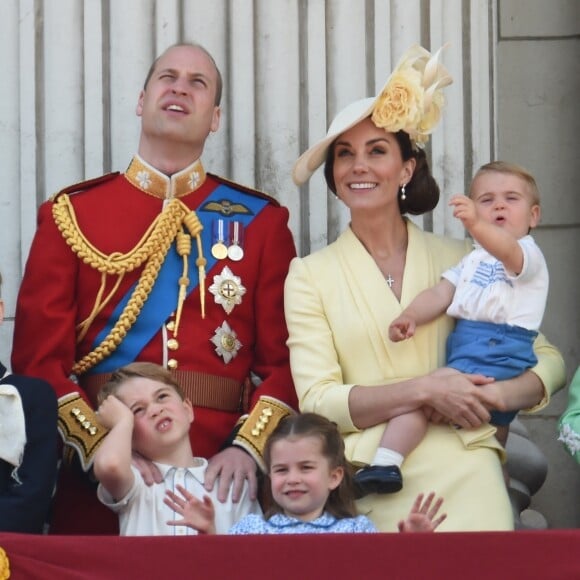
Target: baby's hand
<point>464,209</point>
<point>402,328</point>
<point>197,514</point>
<point>113,411</point>
<point>422,516</point>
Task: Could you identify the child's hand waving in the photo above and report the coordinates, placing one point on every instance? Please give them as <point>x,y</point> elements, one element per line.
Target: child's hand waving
<point>423,517</point>
<point>197,514</point>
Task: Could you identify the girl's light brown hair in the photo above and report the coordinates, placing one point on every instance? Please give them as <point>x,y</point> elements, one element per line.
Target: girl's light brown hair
<point>340,502</point>
<point>134,370</point>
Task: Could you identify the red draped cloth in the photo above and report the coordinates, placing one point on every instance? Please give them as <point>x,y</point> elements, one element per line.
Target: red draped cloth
<point>552,554</point>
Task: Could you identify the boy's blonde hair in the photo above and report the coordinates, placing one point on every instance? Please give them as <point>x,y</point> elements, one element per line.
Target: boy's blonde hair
<point>511,169</point>
<point>144,370</point>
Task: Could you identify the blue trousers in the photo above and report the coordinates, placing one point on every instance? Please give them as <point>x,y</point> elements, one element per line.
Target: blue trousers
<point>500,351</point>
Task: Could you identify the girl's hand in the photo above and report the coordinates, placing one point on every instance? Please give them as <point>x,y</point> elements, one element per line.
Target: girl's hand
<point>197,514</point>
<point>423,517</point>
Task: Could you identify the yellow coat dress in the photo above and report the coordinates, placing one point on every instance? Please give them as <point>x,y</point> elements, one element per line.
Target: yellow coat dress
<point>338,310</point>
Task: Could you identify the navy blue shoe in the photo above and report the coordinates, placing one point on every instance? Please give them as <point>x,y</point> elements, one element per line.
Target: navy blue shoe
<point>377,479</point>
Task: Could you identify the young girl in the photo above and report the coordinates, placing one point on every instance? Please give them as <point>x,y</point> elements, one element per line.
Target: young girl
<point>311,488</point>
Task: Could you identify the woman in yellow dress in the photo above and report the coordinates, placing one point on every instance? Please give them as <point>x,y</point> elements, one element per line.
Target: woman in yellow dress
<point>340,301</point>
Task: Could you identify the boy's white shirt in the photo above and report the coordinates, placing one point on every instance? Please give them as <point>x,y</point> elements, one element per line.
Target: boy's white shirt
<point>142,511</point>
<point>12,425</point>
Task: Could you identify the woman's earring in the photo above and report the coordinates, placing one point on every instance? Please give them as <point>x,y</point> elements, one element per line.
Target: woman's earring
<point>403,194</point>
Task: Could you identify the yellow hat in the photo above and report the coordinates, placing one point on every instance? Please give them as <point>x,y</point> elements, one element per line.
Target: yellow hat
<point>410,101</point>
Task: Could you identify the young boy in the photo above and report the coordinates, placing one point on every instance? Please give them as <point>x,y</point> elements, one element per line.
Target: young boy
<point>146,413</point>
<point>498,293</point>
<point>28,450</point>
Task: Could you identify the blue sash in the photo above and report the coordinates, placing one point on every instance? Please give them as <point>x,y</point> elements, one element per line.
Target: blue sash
<point>162,300</point>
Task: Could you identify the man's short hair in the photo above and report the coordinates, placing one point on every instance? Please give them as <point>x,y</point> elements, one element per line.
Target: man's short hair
<point>219,84</point>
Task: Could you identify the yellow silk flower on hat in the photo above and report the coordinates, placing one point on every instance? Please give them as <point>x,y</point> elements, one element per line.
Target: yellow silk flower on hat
<point>412,100</point>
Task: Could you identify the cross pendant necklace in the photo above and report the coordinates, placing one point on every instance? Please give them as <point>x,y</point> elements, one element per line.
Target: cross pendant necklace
<point>390,280</point>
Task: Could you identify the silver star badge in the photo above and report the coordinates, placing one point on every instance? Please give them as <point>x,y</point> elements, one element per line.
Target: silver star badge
<point>227,289</point>
<point>144,179</point>
<point>194,179</point>
<point>226,342</point>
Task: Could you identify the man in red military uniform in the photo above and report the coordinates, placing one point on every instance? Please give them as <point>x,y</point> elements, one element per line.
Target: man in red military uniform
<point>163,263</point>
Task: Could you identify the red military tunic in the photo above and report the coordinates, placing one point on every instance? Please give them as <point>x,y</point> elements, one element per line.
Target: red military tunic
<point>242,335</point>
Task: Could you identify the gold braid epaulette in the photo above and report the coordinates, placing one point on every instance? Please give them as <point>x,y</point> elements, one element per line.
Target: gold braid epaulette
<point>4,565</point>
<point>152,249</point>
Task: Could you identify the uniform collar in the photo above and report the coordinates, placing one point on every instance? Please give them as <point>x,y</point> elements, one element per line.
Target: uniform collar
<point>152,181</point>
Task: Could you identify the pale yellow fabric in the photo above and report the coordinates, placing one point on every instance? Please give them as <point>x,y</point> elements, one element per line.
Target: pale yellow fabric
<point>470,481</point>
<point>338,310</point>
<point>550,369</point>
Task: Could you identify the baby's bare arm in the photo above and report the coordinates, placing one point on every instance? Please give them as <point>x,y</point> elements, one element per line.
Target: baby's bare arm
<point>426,306</point>
<point>497,241</point>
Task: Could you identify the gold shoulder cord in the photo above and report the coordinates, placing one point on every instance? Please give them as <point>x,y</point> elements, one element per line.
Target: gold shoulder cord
<point>151,250</point>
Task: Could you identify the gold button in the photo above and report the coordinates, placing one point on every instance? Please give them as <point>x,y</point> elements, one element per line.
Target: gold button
<point>228,342</point>
<point>172,344</point>
<point>172,364</point>
<point>170,325</point>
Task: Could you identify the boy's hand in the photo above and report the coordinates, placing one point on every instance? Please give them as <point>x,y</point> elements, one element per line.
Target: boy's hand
<point>197,514</point>
<point>113,411</point>
<point>464,209</point>
<point>402,328</point>
<point>423,517</point>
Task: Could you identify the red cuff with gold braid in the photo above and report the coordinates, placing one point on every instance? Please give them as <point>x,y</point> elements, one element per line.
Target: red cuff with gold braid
<point>259,425</point>
<point>79,427</point>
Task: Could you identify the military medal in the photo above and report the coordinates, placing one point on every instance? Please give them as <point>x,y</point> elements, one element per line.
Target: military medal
<point>235,250</point>
<point>219,250</point>
<point>226,342</point>
<point>227,289</point>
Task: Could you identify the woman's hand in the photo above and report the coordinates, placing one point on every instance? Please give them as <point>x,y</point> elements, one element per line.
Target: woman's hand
<point>423,517</point>
<point>459,398</point>
<point>445,396</point>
